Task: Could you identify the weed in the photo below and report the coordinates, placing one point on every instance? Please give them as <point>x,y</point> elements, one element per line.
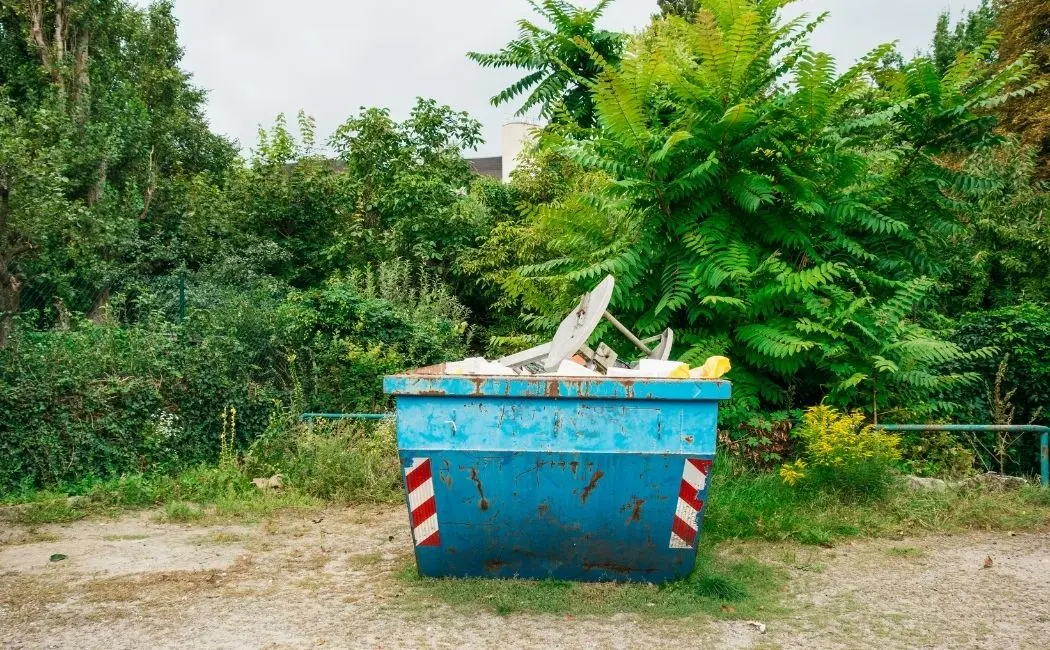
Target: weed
<point>124,538</point>
<point>345,461</point>
<point>905,551</point>
<point>182,512</point>
<point>746,505</point>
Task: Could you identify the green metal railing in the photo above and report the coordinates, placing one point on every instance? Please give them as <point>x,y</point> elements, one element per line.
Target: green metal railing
<point>1044,439</point>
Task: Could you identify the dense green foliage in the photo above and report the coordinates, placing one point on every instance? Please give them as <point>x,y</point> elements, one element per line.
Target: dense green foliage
<point>839,236</point>
<point>1022,334</point>
<point>950,41</point>
<point>104,400</point>
<point>562,62</point>
<point>773,211</point>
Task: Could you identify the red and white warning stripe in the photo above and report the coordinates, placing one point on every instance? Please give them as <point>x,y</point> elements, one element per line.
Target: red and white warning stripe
<point>419,481</point>
<point>694,480</point>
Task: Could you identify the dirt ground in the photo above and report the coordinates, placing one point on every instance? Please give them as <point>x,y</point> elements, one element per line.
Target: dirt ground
<point>330,580</point>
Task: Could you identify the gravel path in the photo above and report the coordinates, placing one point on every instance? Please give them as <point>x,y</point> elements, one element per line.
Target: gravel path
<point>329,580</point>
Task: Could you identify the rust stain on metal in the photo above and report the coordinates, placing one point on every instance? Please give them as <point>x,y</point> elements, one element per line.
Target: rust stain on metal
<point>543,509</point>
<point>439,369</point>
<point>484,504</point>
<point>432,393</point>
<point>575,465</point>
<point>687,440</point>
<point>628,387</point>
<point>445,475</point>
<point>494,565</point>
<point>593,484</point>
<point>551,389</point>
<point>636,511</point>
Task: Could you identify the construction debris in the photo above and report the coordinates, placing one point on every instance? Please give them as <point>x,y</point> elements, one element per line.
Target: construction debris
<point>567,354</point>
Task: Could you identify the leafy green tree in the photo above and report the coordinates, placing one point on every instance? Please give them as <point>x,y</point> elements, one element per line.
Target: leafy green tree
<point>774,211</point>
<point>999,258</point>
<point>683,8</point>
<point>1025,25</point>
<point>98,84</point>
<point>561,62</point>
<point>33,208</point>
<point>965,36</point>
<point>395,191</point>
<point>407,179</point>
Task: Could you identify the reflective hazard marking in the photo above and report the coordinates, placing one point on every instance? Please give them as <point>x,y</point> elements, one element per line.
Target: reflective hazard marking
<point>685,526</point>
<point>419,481</point>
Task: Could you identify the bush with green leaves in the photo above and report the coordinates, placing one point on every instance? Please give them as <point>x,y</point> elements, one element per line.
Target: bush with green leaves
<point>1022,336</point>
<point>775,211</point>
<point>102,401</point>
<point>349,333</point>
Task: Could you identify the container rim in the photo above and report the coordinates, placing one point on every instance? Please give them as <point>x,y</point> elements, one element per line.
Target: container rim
<point>431,382</point>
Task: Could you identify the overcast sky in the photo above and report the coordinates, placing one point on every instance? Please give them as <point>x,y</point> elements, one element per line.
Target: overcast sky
<point>258,58</point>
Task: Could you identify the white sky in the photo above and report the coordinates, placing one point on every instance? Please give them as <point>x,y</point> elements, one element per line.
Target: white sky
<point>258,58</point>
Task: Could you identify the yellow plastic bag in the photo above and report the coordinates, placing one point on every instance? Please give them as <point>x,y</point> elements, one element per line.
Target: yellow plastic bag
<point>713,368</point>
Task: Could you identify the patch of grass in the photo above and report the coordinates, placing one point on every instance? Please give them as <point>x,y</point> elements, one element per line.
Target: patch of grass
<point>220,537</point>
<point>748,505</point>
<point>721,587</point>
<point>182,512</point>
<point>350,462</point>
<point>346,463</point>
<point>31,535</point>
<point>905,552</point>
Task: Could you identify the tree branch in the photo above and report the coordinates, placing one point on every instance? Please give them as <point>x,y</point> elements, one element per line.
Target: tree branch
<point>36,31</point>
<point>151,188</point>
<point>59,40</point>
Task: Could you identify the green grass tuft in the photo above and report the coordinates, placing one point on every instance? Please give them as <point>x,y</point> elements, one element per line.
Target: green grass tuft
<point>750,587</point>
<point>749,505</point>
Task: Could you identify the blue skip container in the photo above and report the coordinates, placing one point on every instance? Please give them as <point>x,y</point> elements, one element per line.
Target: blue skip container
<point>551,477</point>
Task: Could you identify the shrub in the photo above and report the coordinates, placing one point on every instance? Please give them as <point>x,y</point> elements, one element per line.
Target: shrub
<point>1015,386</point>
<point>147,397</point>
<point>935,453</point>
<point>843,452</point>
<point>350,332</point>
<point>344,461</point>
<point>1023,333</point>
<point>104,401</point>
<point>760,440</point>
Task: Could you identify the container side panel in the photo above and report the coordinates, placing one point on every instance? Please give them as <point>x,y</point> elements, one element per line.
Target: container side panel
<point>574,516</point>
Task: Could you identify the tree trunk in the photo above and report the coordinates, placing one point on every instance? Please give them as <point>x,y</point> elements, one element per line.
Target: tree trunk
<point>62,318</point>
<point>99,313</point>
<point>10,297</point>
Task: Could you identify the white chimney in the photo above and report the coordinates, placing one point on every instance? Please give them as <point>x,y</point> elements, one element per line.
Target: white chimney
<point>517,136</point>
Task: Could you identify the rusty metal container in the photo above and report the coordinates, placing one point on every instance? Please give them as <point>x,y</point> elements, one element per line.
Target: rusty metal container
<point>550,477</point>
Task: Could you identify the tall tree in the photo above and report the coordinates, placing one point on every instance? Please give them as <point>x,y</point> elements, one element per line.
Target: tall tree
<point>770,208</point>
<point>97,85</point>
<point>1025,25</point>
<point>562,61</point>
<point>965,36</point>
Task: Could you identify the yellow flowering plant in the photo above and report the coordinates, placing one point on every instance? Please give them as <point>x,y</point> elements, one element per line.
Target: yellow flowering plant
<point>841,446</point>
